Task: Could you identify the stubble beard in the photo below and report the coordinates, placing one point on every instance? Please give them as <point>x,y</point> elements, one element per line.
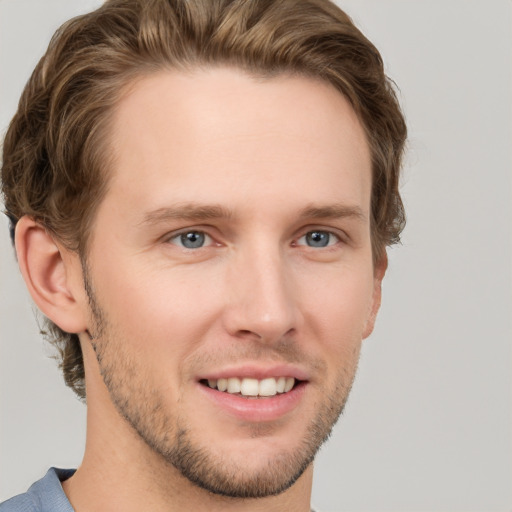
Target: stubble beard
<point>170,437</point>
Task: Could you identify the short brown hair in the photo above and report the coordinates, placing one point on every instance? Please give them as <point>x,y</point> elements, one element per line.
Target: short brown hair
<point>55,153</point>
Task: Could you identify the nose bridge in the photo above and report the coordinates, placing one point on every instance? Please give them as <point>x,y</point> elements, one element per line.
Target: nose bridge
<point>262,300</point>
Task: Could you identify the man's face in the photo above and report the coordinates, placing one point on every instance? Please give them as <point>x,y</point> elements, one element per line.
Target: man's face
<point>233,250</point>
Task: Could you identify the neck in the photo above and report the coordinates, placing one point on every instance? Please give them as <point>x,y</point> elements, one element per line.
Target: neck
<point>109,479</point>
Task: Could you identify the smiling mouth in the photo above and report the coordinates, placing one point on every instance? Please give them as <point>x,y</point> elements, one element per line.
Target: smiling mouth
<point>253,388</point>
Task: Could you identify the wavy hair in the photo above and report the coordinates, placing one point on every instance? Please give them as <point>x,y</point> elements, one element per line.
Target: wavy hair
<point>55,165</point>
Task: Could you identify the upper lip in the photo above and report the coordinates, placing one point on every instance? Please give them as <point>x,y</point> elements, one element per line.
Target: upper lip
<point>254,371</point>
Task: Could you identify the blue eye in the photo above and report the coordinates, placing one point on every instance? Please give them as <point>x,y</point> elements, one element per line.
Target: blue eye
<point>318,239</point>
<point>191,239</point>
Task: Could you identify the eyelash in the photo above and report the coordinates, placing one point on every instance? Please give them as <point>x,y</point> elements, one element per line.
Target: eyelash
<point>330,234</point>
<point>178,239</point>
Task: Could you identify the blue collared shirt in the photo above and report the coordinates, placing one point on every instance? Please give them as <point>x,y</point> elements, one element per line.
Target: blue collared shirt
<point>45,495</point>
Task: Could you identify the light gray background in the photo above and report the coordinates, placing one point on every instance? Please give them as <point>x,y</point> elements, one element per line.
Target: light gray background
<point>429,424</point>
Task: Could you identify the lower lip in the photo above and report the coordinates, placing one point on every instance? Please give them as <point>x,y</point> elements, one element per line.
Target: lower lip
<point>256,409</point>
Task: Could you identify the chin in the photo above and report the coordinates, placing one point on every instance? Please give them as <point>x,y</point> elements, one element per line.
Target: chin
<point>241,475</point>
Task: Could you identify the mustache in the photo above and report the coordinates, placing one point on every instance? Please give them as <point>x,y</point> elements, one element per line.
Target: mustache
<point>282,352</point>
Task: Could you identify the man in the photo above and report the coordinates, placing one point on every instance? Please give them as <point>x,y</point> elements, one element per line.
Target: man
<point>201,194</point>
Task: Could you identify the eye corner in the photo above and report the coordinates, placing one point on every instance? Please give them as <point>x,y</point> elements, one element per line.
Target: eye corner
<point>317,238</point>
<point>190,239</point>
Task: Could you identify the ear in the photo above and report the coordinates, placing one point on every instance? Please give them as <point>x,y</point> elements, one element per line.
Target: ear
<point>378,275</point>
<point>52,275</point>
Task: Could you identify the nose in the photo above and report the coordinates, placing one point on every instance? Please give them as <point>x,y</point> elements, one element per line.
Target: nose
<point>261,303</point>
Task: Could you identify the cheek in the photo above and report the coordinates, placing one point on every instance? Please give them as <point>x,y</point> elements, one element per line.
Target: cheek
<point>163,312</point>
<point>340,302</point>
<point>337,314</point>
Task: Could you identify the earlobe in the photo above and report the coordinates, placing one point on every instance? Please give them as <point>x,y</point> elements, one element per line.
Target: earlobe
<point>378,275</point>
<point>49,275</point>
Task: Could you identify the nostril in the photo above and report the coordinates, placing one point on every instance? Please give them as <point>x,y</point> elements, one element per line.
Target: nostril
<point>265,336</point>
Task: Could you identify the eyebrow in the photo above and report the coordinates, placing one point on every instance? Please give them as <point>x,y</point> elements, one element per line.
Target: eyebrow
<point>186,211</point>
<point>196,212</point>
<point>333,211</point>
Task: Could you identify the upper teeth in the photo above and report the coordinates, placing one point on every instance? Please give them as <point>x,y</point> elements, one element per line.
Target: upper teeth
<point>253,387</point>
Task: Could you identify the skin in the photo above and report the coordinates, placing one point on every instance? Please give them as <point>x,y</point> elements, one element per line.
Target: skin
<point>255,165</point>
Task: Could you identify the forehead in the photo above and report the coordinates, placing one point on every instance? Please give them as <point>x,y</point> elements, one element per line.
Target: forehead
<point>223,135</point>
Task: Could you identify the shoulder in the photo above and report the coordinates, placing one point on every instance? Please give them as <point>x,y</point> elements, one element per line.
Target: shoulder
<point>45,495</point>
<point>21,503</point>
